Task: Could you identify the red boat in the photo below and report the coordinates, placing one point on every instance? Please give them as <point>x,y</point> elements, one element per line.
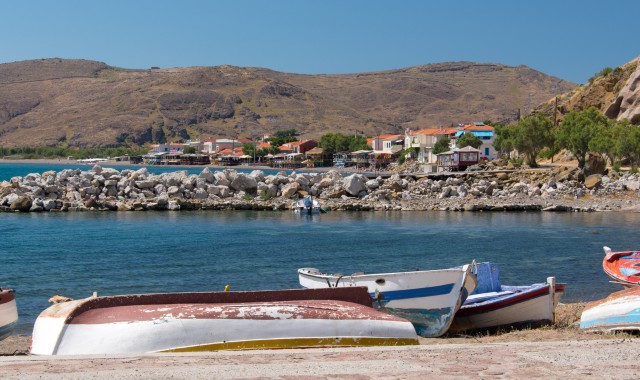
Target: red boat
<point>623,267</point>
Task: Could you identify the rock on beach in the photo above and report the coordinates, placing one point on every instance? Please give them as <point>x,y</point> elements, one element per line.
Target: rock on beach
<point>491,189</point>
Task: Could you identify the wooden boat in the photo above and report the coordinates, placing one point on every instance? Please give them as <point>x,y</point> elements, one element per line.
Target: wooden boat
<point>623,267</point>
<point>189,322</point>
<point>494,305</point>
<point>307,205</point>
<point>429,299</point>
<point>618,312</point>
<point>8,312</point>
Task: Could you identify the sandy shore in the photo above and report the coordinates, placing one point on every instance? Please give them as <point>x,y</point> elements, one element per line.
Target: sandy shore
<point>573,359</point>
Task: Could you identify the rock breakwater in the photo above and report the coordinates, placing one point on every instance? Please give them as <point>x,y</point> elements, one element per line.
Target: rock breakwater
<point>556,189</point>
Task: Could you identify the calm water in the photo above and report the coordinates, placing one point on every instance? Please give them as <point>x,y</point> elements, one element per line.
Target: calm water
<point>74,254</point>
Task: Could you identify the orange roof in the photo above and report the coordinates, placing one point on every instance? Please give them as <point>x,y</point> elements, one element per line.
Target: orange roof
<point>264,145</point>
<point>388,137</point>
<point>435,131</point>
<point>470,127</point>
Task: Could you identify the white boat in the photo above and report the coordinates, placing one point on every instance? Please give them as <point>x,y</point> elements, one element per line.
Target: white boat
<point>8,312</point>
<point>620,311</point>
<point>191,322</point>
<point>307,205</point>
<point>494,305</point>
<point>429,299</point>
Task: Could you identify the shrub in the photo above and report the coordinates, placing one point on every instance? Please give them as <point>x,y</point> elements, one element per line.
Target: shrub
<point>616,167</point>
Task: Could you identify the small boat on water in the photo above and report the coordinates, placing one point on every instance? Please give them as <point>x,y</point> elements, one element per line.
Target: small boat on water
<point>623,267</point>
<point>429,299</point>
<point>191,322</point>
<point>8,312</point>
<point>495,305</point>
<point>620,311</point>
<point>307,205</point>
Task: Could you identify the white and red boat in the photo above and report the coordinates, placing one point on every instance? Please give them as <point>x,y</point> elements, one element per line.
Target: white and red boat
<point>494,305</point>
<point>189,322</point>
<point>623,266</point>
<point>8,312</point>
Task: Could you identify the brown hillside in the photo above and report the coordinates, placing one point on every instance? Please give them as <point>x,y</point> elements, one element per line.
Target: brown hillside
<point>615,94</point>
<point>80,103</point>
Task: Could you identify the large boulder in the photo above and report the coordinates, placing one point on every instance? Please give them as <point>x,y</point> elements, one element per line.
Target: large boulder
<point>593,181</point>
<point>290,189</point>
<point>207,175</point>
<point>595,164</point>
<point>244,182</point>
<point>354,184</point>
<point>627,104</point>
<point>21,203</point>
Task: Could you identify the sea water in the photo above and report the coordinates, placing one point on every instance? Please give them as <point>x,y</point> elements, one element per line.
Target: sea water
<point>76,253</point>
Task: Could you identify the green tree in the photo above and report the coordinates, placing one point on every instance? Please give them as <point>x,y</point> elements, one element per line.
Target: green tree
<point>469,139</point>
<point>189,150</point>
<point>578,129</point>
<point>626,141</point>
<point>605,142</point>
<point>442,145</point>
<point>249,149</point>
<point>532,134</point>
<point>337,142</point>
<point>504,141</point>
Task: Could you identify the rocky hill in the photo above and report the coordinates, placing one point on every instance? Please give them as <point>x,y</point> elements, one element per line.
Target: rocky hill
<point>615,92</point>
<point>79,103</point>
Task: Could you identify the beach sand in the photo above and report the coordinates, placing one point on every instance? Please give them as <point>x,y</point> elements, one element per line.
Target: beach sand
<point>559,351</point>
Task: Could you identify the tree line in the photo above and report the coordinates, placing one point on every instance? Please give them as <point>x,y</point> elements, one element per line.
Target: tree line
<point>580,132</point>
<point>75,153</point>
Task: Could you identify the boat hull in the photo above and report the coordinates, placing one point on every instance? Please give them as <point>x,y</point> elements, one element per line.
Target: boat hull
<point>191,322</point>
<point>618,312</point>
<point>429,299</point>
<point>623,267</point>
<point>8,313</point>
<point>522,305</point>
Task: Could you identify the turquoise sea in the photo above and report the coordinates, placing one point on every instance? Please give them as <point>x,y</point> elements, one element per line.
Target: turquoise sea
<point>75,254</point>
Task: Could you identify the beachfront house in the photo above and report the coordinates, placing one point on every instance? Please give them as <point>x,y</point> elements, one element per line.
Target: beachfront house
<point>424,140</point>
<point>301,147</point>
<point>458,159</point>
<point>486,133</point>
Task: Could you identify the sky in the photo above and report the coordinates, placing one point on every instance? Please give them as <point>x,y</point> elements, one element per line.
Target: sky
<point>569,39</point>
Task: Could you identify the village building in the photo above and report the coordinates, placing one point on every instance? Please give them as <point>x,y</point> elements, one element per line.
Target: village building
<point>458,159</point>
<point>486,133</point>
<point>424,141</point>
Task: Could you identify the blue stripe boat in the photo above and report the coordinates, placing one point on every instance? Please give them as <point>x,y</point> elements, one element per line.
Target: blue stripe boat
<point>429,299</point>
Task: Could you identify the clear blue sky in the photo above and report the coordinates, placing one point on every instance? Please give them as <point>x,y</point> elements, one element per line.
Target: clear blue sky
<point>569,39</point>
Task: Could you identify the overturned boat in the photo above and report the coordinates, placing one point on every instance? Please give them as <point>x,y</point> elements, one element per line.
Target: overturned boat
<point>620,311</point>
<point>190,322</point>
<point>429,299</point>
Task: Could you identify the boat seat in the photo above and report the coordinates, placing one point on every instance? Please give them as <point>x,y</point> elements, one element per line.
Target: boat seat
<point>488,277</point>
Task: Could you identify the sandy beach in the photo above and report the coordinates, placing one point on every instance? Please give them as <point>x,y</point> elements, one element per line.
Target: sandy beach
<point>614,358</point>
<point>559,351</point>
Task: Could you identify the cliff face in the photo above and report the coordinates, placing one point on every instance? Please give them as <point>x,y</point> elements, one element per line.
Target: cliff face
<point>616,95</point>
<point>78,103</point>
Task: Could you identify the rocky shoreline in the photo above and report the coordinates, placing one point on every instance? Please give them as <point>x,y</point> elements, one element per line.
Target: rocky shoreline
<point>488,188</point>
